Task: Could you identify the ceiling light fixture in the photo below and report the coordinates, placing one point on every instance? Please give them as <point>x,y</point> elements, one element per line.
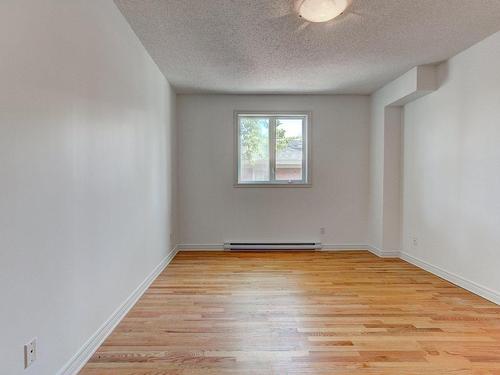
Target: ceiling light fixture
<point>322,10</point>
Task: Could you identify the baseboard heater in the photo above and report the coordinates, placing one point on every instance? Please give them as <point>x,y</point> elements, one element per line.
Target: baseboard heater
<point>261,246</point>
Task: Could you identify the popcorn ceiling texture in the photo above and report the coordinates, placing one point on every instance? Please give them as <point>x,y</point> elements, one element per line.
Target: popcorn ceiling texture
<point>262,46</point>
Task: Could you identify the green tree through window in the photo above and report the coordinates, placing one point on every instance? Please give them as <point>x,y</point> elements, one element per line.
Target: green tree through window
<point>272,149</point>
<point>282,140</point>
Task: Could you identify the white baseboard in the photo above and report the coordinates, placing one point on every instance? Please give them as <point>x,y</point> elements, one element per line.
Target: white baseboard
<point>383,253</point>
<point>76,363</point>
<point>372,249</point>
<point>340,247</point>
<point>200,247</point>
<point>325,247</point>
<point>469,285</point>
<point>220,247</point>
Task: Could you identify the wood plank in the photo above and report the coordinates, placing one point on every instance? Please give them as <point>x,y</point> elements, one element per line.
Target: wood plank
<point>301,313</point>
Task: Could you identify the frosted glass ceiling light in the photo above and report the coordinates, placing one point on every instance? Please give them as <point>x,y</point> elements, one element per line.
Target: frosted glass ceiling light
<point>322,10</point>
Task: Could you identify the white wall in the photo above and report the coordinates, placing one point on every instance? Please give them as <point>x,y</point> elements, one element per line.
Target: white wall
<point>86,132</point>
<point>452,168</point>
<point>385,155</point>
<point>87,173</point>
<point>213,211</point>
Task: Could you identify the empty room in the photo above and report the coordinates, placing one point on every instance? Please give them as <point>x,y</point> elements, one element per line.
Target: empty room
<point>249,187</point>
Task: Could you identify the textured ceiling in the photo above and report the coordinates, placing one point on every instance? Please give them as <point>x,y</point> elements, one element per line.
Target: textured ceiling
<point>261,46</point>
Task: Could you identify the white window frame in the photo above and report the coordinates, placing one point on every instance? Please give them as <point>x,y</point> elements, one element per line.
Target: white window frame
<point>306,148</point>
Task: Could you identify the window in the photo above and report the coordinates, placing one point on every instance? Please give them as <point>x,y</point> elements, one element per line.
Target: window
<point>272,149</point>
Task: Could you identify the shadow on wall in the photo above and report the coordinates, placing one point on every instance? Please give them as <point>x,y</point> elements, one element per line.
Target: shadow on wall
<point>442,73</point>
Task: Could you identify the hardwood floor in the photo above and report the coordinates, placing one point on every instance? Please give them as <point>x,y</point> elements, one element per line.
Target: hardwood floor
<point>301,313</point>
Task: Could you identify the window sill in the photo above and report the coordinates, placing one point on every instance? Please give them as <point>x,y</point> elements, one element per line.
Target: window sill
<point>278,185</point>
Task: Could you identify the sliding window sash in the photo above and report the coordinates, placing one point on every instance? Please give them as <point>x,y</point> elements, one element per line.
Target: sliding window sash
<point>272,150</point>
<point>273,119</point>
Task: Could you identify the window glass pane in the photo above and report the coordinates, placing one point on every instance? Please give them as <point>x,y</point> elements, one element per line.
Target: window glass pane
<point>254,149</point>
<point>289,144</point>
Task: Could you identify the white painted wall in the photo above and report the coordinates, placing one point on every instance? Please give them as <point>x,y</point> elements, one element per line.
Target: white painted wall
<point>213,211</point>
<point>86,166</point>
<point>376,181</point>
<point>452,168</point>
<point>387,103</point>
<point>88,170</point>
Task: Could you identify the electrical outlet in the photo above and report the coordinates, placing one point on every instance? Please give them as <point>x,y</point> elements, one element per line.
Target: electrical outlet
<point>322,231</point>
<point>415,241</point>
<point>30,353</point>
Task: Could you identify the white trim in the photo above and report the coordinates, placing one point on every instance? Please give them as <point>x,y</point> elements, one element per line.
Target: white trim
<point>383,253</point>
<point>272,185</point>
<point>372,249</point>
<point>340,247</point>
<point>79,360</point>
<point>272,149</point>
<point>325,247</point>
<point>200,247</point>
<point>264,246</point>
<point>471,286</point>
<point>306,155</point>
<point>220,247</point>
